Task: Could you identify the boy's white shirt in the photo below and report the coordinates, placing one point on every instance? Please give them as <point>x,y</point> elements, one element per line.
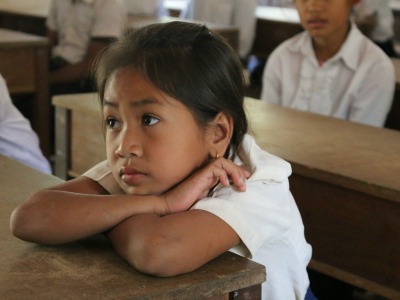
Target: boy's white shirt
<point>357,84</point>
<point>77,23</point>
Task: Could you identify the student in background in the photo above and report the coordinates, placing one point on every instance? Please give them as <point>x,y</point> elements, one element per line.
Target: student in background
<point>183,182</point>
<point>331,68</point>
<point>375,19</point>
<point>151,8</point>
<point>77,31</point>
<point>17,139</point>
<point>226,12</point>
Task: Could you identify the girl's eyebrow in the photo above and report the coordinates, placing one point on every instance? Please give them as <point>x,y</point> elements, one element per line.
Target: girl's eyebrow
<point>137,103</point>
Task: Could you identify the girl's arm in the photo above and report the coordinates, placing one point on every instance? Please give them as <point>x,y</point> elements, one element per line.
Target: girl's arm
<point>76,209</point>
<point>81,207</point>
<point>181,242</point>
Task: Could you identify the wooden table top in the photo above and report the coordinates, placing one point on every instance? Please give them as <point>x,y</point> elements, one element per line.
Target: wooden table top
<point>360,157</point>
<point>91,268</point>
<point>35,8</point>
<point>278,14</point>
<point>12,38</point>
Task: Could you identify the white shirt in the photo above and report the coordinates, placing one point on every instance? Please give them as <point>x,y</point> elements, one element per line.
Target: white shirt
<point>226,12</point>
<point>383,30</point>
<point>265,217</point>
<point>357,84</point>
<point>17,139</point>
<point>77,23</point>
<point>152,8</point>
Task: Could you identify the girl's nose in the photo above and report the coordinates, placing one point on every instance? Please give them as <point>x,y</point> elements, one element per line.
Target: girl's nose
<point>128,145</point>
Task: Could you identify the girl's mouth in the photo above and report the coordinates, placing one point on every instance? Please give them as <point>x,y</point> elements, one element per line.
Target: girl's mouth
<point>131,176</point>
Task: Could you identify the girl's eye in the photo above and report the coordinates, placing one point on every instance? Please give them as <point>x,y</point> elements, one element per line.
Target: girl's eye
<point>112,123</point>
<point>148,120</point>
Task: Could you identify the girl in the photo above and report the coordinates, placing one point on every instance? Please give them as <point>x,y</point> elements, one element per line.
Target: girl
<point>183,181</point>
<point>331,68</point>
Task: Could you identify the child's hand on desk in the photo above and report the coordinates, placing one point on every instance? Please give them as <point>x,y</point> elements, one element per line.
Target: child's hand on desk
<point>198,185</point>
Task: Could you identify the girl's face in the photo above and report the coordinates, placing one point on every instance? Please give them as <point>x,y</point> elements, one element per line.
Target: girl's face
<point>153,141</point>
<point>325,19</point>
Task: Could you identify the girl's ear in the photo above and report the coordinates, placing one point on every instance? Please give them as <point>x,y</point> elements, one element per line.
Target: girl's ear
<point>219,134</point>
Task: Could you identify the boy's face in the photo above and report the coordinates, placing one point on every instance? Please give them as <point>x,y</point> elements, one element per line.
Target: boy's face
<point>325,19</point>
<point>153,141</point>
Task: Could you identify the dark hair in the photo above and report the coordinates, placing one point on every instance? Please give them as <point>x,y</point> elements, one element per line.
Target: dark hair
<point>186,61</point>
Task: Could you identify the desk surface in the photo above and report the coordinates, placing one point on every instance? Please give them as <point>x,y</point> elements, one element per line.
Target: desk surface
<point>360,157</point>
<point>12,38</point>
<point>36,8</point>
<point>91,268</point>
<point>278,14</point>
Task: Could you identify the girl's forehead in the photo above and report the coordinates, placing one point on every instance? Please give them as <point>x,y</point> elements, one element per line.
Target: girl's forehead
<point>129,85</point>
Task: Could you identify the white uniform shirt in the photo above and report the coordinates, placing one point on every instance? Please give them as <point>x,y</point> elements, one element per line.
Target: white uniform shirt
<point>357,84</point>
<point>265,217</point>
<point>383,30</point>
<point>77,23</point>
<point>152,8</point>
<point>226,12</point>
<point>17,139</point>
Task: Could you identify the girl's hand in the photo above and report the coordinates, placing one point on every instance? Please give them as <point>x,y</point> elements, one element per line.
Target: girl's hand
<point>198,185</point>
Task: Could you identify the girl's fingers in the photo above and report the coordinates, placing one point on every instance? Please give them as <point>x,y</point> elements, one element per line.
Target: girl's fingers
<point>227,169</point>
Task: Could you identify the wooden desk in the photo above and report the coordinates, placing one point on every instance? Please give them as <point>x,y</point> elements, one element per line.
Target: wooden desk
<point>230,33</point>
<point>274,25</point>
<point>346,182</point>
<point>393,118</point>
<point>24,65</point>
<point>79,134</point>
<point>25,16</point>
<point>91,268</point>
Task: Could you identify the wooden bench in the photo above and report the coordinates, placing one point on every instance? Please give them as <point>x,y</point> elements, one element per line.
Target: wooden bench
<point>92,269</point>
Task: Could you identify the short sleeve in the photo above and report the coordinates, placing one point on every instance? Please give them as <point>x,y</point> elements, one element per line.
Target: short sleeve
<point>102,174</point>
<point>259,215</point>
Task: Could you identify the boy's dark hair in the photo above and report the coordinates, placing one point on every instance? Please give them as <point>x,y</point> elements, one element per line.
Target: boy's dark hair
<point>189,63</point>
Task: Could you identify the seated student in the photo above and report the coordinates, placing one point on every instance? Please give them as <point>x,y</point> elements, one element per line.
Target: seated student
<point>17,139</point>
<point>77,31</point>
<point>183,182</point>
<point>331,68</point>
<point>152,8</point>
<point>375,19</point>
<point>226,12</point>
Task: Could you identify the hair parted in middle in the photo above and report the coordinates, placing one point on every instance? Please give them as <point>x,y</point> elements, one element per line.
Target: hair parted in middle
<point>186,61</point>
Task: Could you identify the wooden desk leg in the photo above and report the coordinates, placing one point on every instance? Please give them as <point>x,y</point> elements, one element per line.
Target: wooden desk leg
<point>41,108</point>
<point>61,146</point>
<point>249,293</point>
